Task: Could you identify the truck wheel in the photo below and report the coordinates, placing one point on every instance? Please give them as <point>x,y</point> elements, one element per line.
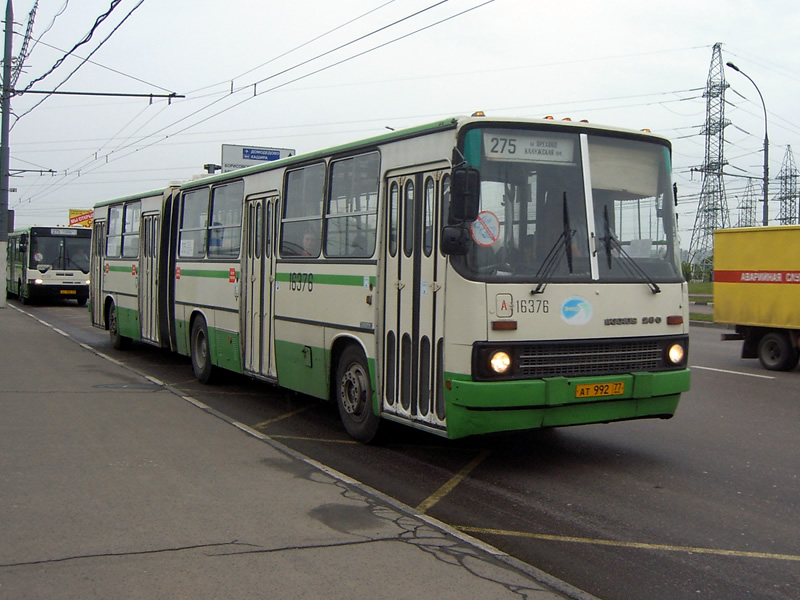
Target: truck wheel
<point>776,353</point>
<point>354,396</point>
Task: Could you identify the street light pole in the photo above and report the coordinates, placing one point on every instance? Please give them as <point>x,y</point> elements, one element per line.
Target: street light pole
<point>766,143</point>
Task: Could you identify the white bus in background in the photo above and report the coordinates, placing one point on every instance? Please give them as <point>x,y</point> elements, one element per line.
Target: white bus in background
<point>48,263</point>
<point>468,276</point>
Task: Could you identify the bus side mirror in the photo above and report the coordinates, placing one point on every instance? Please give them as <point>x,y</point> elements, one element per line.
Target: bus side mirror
<point>23,242</point>
<point>455,240</point>
<point>465,190</point>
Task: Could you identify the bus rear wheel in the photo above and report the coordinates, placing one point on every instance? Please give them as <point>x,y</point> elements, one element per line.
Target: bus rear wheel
<point>118,341</point>
<point>776,353</point>
<point>201,353</point>
<point>354,396</point>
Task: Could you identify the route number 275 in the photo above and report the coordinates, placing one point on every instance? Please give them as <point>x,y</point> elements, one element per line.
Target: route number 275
<point>501,145</point>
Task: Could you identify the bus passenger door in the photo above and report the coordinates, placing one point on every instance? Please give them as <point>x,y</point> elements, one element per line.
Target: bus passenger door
<point>414,309</point>
<point>97,273</point>
<point>148,278</point>
<point>256,297</point>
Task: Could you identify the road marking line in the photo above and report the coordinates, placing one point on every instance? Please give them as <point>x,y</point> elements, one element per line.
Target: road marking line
<point>312,439</point>
<point>639,545</point>
<point>282,417</point>
<point>453,482</point>
<point>733,372</point>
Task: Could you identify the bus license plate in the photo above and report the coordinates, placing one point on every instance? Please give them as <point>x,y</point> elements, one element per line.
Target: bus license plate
<point>68,292</point>
<point>596,390</point>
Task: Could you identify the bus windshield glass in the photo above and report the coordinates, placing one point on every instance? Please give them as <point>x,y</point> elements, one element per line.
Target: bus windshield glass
<point>558,206</point>
<point>60,249</point>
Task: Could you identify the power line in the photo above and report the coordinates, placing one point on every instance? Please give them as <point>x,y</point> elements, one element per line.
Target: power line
<point>83,62</point>
<point>107,158</point>
<point>298,47</point>
<point>85,40</point>
<point>100,65</point>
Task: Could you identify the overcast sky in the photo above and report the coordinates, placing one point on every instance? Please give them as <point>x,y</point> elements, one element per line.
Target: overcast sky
<point>625,63</point>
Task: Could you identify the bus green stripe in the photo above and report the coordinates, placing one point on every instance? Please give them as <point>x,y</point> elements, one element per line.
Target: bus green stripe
<point>325,279</point>
<point>119,269</point>
<point>208,274</point>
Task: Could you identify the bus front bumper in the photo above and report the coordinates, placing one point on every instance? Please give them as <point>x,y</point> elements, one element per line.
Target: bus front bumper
<point>486,407</point>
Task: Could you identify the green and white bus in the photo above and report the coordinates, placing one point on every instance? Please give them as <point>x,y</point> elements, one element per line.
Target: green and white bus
<point>48,263</point>
<point>464,277</point>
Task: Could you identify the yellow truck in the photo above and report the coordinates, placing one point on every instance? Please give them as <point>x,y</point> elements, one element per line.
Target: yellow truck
<point>757,289</point>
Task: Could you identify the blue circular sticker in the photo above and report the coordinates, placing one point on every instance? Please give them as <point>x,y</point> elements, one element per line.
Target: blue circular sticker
<point>576,311</point>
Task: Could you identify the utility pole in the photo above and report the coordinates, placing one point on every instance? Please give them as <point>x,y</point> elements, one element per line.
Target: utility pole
<point>4,148</point>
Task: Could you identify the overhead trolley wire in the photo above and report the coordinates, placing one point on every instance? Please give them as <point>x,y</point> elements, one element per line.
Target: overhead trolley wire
<point>85,40</point>
<point>296,79</point>
<point>107,158</point>
<point>83,62</point>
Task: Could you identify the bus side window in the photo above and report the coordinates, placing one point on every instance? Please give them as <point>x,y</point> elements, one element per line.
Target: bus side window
<point>302,211</point>
<point>114,237</point>
<point>225,232</point>
<point>193,224</point>
<point>130,230</point>
<point>351,221</point>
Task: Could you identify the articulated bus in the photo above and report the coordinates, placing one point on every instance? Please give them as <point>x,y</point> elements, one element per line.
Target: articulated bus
<point>48,263</point>
<point>465,277</point>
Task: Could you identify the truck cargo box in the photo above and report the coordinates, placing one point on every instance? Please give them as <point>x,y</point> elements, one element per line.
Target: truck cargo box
<point>757,276</point>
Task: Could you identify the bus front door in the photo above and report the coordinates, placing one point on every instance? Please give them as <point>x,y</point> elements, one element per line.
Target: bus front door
<point>257,285</point>
<point>414,310</point>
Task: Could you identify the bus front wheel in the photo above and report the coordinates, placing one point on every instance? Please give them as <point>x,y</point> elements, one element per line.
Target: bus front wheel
<point>354,396</point>
<point>776,353</point>
<point>201,353</point>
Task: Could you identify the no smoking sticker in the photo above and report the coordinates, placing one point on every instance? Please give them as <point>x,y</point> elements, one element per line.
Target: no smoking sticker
<point>485,229</point>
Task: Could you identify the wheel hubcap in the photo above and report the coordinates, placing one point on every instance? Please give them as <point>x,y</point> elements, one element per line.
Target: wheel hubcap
<point>352,392</point>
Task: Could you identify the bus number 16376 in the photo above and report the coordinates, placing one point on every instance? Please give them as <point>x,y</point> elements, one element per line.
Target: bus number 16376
<point>301,282</point>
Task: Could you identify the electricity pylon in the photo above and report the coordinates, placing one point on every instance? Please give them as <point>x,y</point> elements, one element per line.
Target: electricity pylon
<point>712,211</point>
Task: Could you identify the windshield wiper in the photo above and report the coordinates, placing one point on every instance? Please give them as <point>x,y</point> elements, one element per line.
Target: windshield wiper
<point>626,262</point>
<point>554,257</point>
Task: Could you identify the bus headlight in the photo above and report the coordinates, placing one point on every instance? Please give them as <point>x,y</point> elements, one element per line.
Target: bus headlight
<point>500,362</point>
<point>676,354</point>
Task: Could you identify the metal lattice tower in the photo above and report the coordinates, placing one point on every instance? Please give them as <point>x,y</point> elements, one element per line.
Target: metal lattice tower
<point>747,206</point>
<point>712,211</point>
<point>788,196</point>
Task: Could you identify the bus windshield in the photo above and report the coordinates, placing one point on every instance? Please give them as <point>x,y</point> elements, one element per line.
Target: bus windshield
<point>559,206</point>
<point>63,252</point>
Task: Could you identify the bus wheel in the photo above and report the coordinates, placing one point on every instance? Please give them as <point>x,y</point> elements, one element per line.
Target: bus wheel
<point>354,396</point>
<point>23,294</point>
<point>82,300</point>
<point>201,355</point>
<point>119,342</point>
<point>776,353</point>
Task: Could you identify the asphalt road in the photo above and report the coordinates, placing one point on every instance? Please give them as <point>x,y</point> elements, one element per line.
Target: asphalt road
<point>705,505</point>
